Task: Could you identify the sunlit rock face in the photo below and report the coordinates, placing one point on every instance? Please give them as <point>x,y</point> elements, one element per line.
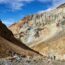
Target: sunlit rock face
<point>39,27</point>
<point>44,32</point>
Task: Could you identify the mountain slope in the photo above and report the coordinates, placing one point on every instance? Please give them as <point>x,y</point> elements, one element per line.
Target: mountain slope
<point>44,32</point>
<point>62,5</point>
<point>53,47</point>
<point>14,48</point>
<point>16,26</point>
<point>7,39</point>
<point>39,26</point>
<point>4,49</point>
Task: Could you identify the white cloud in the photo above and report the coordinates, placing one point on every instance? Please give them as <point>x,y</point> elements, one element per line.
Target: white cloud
<point>49,9</point>
<point>45,1</point>
<point>56,3</point>
<point>18,4</point>
<point>15,4</point>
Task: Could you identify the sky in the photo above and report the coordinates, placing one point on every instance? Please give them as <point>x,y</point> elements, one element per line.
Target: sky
<point>12,11</point>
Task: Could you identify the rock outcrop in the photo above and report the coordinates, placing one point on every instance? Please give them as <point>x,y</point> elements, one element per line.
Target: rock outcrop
<point>44,32</point>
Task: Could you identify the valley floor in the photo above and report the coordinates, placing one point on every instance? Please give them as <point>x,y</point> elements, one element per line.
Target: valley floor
<point>31,61</point>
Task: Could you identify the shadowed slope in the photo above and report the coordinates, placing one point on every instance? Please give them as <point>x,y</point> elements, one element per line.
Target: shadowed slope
<point>17,45</point>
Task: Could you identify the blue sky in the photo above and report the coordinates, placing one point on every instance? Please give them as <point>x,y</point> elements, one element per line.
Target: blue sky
<point>13,10</point>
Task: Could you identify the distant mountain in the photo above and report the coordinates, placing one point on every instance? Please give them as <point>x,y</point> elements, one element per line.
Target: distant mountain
<point>9,44</point>
<point>43,32</point>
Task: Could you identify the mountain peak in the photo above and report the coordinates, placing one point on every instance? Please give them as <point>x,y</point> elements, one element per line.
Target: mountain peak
<point>62,5</point>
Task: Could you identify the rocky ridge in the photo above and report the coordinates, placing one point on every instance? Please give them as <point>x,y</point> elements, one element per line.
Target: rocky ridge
<point>44,32</point>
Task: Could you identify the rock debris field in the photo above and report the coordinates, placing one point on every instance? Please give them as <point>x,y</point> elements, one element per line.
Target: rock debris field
<point>31,61</point>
